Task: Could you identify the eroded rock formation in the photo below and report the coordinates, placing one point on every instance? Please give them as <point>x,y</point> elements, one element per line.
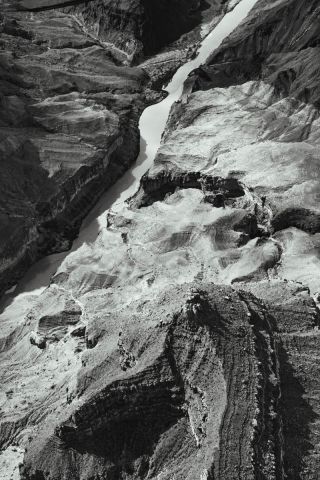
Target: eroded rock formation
<point>246,120</point>
<point>70,105</point>
<point>69,119</point>
<point>184,342</point>
<point>190,386</point>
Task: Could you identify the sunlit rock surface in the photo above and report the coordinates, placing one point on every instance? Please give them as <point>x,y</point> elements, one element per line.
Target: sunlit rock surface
<point>250,117</point>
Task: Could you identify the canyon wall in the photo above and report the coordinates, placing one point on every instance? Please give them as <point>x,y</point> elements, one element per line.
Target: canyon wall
<point>184,342</point>
<point>146,26</point>
<point>69,129</point>
<point>69,110</point>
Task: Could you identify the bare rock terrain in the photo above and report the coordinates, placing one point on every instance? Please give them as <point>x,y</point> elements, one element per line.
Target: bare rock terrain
<point>69,118</point>
<point>69,110</point>
<point>247,133</point>
<point>183,343</point>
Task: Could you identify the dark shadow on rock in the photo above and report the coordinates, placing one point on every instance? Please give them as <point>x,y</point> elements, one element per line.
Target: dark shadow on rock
<point>302,218</point>
<point>124,441</point>
<point>297,415</point>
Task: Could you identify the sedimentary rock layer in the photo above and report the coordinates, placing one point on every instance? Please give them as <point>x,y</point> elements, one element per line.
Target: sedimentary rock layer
<point>250,118</point>
<point>69,120</point>
<point>189,386</point>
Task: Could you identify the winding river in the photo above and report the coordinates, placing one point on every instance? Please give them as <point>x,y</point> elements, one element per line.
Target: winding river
<point>152,124</point>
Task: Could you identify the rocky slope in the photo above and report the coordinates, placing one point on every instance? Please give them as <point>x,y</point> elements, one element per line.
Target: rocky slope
<point>188,384</point>
<point>246,138</point>
<point>69,109</point>
<point>68,130</point>
<point>184,342</point>
<point>137,27</point>
<point>247,132</point>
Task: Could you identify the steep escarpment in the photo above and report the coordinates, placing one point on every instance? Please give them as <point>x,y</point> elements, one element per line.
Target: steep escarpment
<point>278,47</point>
<point>146,26</point>
<point>69,129</point>
<point>154,34</point>
<point>199,380</point>
<point>70,105</point>
<point>250,118</point>
<point>134,28</point>
<point>297,319</point>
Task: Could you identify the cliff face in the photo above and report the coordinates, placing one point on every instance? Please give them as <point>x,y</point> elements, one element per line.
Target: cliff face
<point>247,131</point>
<point>199,380</point>
<point>69,118</point>
<point>184,342</point>
<point>135,27</point>
<point>279,44</point>
<point>246,137</point>
<point>244,140</point>
<point>146,26</point>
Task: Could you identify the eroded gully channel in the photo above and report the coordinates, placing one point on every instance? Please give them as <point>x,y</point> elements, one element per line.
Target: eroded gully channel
<point>152,124</point>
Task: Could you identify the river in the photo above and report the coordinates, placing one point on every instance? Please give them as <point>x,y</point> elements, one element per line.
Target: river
<point>152,123</point>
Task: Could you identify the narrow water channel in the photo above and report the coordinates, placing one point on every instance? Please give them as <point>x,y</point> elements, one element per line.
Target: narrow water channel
<point>152,124</point>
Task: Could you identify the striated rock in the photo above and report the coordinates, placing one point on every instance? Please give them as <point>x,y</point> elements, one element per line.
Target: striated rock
<point>297,319</point>
<point>186,239</point>
<point>183,405</point>
<point>212,371</point>
<point>132,27</point>
<point>241,120</point>
<point>145,26</point>
<point>279,43</point>
<point>68,130</point>
<point>246,152</point>
<point>69,109</point>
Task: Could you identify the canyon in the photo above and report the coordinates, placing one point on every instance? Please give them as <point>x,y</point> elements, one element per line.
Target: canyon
<point>71,99</point>
<point>179,337</point>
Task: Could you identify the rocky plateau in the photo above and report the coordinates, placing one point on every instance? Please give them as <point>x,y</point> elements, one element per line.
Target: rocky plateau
<point>183,342</point>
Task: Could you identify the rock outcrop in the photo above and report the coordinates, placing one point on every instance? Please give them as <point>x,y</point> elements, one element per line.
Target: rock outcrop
<point>134,27</point>
<point>279,43</point>
<point>200,380</point>
<point>146,26</point>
